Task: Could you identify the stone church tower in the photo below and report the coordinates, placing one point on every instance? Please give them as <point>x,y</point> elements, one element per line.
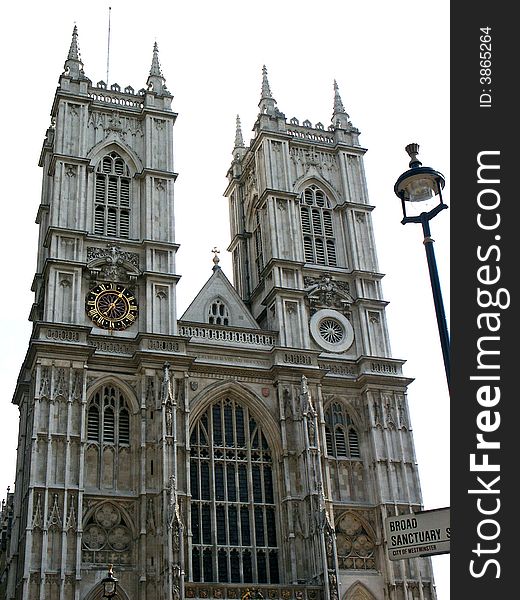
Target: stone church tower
<point>251,448</point>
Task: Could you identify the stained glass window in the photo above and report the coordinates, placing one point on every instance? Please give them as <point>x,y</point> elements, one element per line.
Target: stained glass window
<point>233,518</point>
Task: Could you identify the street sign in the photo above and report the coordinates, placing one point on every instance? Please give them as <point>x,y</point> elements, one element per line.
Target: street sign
<point>418,534</point>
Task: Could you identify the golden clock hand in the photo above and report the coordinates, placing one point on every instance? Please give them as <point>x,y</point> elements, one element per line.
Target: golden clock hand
<point>110,307</point>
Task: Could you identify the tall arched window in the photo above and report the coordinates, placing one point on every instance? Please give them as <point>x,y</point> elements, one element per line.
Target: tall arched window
<point>340,433</point>
<point>233,522</point>
<point>112,197</point>
<point>319,244</point>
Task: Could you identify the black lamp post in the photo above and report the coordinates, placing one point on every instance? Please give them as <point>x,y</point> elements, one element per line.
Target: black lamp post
<point>419,184</point>
<point>109,584</point>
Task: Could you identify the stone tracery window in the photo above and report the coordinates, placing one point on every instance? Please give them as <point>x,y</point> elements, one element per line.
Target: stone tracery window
<point>319,244</point>
<point>355,544</point>
<point>112,197</point>
<point>233,522</point>
<point>340,433</point>
<point>107,537</point>
<point>218,313</point>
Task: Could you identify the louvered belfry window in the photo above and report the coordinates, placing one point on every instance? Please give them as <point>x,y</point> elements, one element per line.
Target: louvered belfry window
<point>341,435</point>
<point>108,418</point>
<point>319,244</point>
<point>112,197</point>
<point>233,513</point>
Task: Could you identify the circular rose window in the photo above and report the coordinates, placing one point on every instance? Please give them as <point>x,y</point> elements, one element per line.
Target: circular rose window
<point>331,330</point>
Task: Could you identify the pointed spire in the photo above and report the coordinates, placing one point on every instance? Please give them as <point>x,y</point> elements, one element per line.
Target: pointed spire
<point>73,66</point>
<point>156,82</point>
<point>74,49</point>
<point>340,118</point>
<point>266,90</point>
<point>267,102</point>
<point>155,69</point>
<point>238,152</point>
<point>338,104</point>
<point>239,140</point>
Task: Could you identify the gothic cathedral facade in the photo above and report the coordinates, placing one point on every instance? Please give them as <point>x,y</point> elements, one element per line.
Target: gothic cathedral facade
<point>252,447</point>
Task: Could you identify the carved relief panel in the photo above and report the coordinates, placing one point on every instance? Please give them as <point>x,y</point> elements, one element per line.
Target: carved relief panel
<point>107,536</point>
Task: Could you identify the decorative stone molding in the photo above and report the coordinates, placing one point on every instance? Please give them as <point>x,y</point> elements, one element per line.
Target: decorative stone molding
<point>355,544</point>
<point>107,538</point>
<point>112,263</point>
<point>60,384</point>
<point>324,292</point>
<point>71,170</point>
<point>267,591</point>
<point>54,518</point>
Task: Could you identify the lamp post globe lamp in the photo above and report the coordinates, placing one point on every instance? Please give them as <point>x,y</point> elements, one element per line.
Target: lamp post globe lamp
<point>109,584</point>
<point>416,187</point>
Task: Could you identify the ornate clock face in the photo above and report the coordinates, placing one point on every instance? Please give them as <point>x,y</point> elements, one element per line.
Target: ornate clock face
<point>111,306</point>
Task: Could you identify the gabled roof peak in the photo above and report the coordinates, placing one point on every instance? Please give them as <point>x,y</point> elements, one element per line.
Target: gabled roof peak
<point>218,294</point>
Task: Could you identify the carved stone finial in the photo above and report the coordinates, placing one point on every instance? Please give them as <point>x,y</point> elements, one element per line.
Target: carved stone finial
<point>338,103</point>
<point>306,404</point>
<point>340,118</point>
<point>155,69</point>
<point>239,140</point>
<point>156,81</point>
<point>216,259</point>
<point>73,66</point>
<point>266,90</point>
<point>167,391</point>
<point>173,507</point>
<point>304,386</point>
<point>267,103</point>
<point>173,490</point>
<point>74,49</point>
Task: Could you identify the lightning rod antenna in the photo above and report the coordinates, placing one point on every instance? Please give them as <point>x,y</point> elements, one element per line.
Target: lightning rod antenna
<point>108,46</point>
